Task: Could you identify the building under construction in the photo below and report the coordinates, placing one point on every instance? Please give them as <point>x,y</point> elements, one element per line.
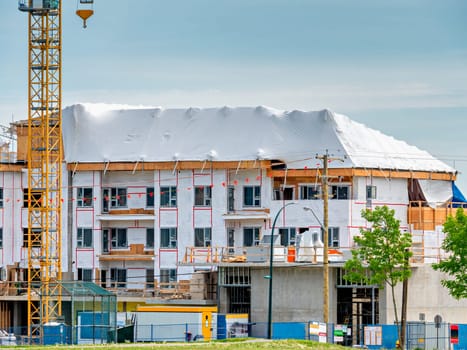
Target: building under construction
<point>177,204</point>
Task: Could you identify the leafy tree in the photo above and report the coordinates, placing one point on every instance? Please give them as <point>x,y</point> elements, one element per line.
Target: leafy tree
<point>382,254</point>
<point>455,265</point>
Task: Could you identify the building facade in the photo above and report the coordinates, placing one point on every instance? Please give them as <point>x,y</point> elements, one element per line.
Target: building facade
<point>167,204</point>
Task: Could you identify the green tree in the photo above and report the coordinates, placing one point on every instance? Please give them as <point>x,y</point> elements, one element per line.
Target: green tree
<point>455,265</point>
<point>382,254</point>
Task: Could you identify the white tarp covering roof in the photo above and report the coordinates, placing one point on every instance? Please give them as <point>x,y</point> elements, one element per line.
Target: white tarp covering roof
<point>102,133</point>
<point>436,192</point>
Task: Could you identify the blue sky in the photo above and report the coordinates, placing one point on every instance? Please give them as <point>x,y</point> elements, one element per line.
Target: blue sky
<point>396,65</point>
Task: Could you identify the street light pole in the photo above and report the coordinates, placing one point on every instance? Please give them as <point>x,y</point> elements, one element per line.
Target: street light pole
<point>271,256</point>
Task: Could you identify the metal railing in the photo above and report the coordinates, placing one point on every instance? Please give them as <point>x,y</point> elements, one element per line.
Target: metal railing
<point>257,254</point>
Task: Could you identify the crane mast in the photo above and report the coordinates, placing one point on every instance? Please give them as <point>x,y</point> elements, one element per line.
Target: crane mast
<point>45,154</point>
<point>44,163</point>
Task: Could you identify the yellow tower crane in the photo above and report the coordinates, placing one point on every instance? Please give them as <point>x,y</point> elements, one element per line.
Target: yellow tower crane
<point>44,159</point>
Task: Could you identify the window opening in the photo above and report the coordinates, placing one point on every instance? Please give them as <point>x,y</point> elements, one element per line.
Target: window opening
<point>168,237</point>
<point>203,196</point>
<point>84,197</point>
<point>203,237</point>
<point>339,192</point>
<point>287,235</point>
<point>168,196</point>
<point>252,196</point>
<point>150,197</point>
<point>149,237</point>
<point>251,236</point>
<point>84,237</point>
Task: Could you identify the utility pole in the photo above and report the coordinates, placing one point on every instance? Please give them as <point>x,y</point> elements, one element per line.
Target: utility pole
<point>324,183</point>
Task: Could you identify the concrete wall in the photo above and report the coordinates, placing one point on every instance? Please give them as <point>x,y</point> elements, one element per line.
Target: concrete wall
<point>297,294</point>
<point>425,295</point>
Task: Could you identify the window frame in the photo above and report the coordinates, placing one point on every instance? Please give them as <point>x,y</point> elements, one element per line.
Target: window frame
<point>115,239</point>
<point>150,197</point>
<point>203,196</point>
<point>255,200</point>
<point>255,236</point>
<point>118,277</point>
<point>84,232</point>
<point>82,272</point>
<point>83,200</point>
<point>370,192</point>
<point>337,194</point>
<point>310,191</point>
<point>150,237</point>
<point>106,246</point>
<point>150,278</point>
<point>333,237</point>
<point>286,193</point>
<point>168,276</point>
<point>230,199</point>
<point>206,233</point>
<point>168,237</point>
<point>168,196</point>
<point>103,278</point>
<point>288,236</point>
<point>114,198</point>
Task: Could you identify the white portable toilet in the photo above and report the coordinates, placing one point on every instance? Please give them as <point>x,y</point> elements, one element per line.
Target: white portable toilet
<point>304,247</point>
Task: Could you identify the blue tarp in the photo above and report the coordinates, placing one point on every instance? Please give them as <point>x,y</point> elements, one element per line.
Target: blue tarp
<point>457,196</point>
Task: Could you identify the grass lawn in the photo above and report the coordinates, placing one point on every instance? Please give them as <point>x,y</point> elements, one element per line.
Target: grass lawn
<point>252,344</point>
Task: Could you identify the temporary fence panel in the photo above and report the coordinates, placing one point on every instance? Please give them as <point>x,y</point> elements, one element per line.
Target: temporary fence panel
<point>461,338</point>
<point>56,333</point>
<point>416,333</point>
<point>289,330</point>
<point>93,327</point>
<point>166,332</point>
<point>166,326</point>
<point>436,336</point>
<point>232,326</point>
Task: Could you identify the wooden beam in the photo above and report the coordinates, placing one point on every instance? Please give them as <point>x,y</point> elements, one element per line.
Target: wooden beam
<point>349,172</point>
<point>180,165</point>
<point>405,174</point>
<point>250,164</point>
<point>5,167</point>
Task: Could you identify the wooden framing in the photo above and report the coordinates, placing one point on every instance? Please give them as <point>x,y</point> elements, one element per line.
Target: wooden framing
<point>351,172</point>
<point>305,174</point>
<point>8,167</point>
<point>173,165</point>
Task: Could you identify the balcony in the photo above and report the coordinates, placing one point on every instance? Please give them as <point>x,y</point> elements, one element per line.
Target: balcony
<point>257,255</point>
<point>137,214</point>
<point>248,214</point>
<point>136,252</point>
